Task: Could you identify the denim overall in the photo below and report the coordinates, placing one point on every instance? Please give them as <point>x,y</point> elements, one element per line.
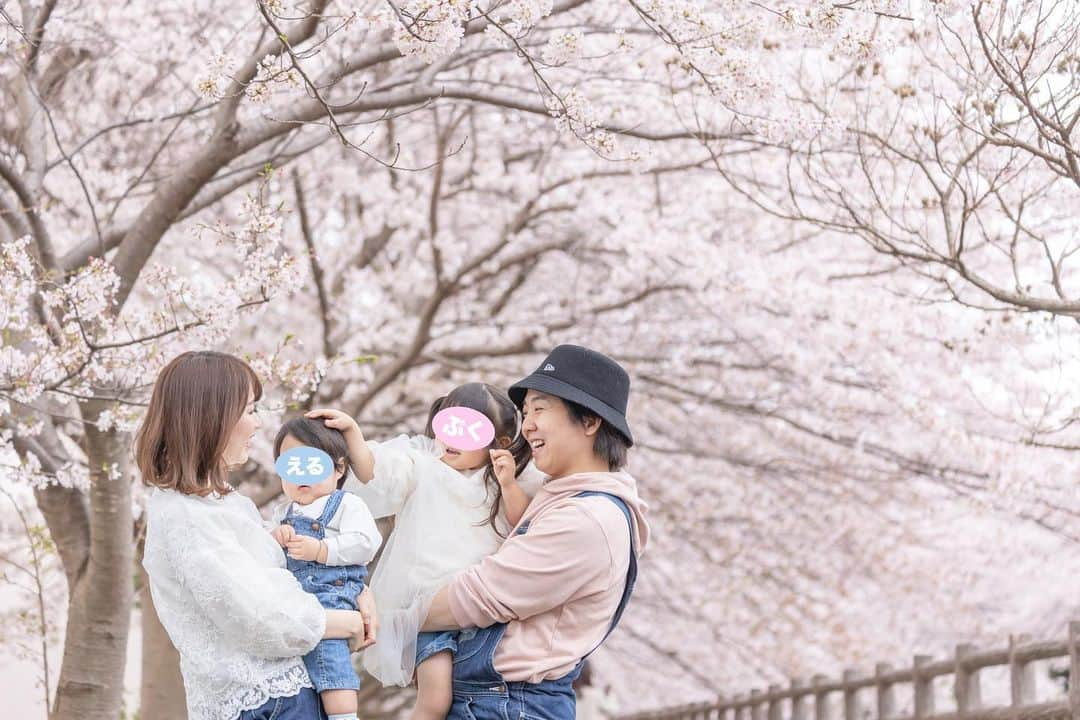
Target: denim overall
<point>329,664</point>
<point>480,693</point>
<point>304,705</point>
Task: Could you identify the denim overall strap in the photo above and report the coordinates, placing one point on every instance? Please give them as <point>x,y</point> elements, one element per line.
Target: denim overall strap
<point>474,662</point>
<point>309,571</point>
<point>631,570</point>
<point>289,514</point>
<point>481,693</point>
<point>330,511</point>
<point>315,528</point>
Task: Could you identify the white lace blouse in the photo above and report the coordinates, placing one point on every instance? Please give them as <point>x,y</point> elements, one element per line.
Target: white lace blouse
<point>239,619</point>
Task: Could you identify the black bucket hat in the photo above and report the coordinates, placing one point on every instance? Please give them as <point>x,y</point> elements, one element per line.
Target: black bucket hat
<point>585,377</point>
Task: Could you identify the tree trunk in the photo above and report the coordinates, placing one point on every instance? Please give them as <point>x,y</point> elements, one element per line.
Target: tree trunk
<point>162,693</point>
<point>91,684</point>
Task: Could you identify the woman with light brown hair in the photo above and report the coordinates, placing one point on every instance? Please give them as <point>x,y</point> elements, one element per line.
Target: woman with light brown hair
<point>237,616</point>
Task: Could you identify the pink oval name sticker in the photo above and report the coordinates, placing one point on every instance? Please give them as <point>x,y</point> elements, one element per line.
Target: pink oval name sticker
<point>463,428</point>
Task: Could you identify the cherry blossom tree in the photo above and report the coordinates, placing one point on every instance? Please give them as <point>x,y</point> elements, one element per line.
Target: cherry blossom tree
<point>113,136</point>
<point>375,201</point>
<point>962,143</point>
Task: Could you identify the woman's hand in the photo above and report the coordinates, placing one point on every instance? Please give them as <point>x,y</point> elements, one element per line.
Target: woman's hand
<point>347,625</point>
<point>283,534</point>
<point>359,639</point>
<point>502,462</point>
<point>365,603</point>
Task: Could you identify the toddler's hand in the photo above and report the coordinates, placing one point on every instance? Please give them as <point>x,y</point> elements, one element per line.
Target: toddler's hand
<point>302,547</point>
<point>337,420</point>
<point>283,534</point>
<point>503,464</point>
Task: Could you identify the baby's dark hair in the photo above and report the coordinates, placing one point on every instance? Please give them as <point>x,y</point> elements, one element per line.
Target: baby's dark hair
<point>496,405</point>
<point>314,433</point>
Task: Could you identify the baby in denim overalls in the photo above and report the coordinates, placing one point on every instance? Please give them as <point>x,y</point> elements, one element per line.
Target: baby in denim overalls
<point>329,537</point>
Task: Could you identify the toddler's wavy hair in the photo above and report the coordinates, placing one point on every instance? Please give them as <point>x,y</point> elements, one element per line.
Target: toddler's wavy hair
<point>496,405</point>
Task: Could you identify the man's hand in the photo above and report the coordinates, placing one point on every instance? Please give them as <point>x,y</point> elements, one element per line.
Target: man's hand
<point>283,534</point>
<point>302,547</point>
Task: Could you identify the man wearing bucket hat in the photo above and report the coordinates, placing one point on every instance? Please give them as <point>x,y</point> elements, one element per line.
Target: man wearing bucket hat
<point>559,584</point>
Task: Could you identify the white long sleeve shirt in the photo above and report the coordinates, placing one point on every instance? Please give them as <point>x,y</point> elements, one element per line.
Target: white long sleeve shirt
<point>352,537</point>
<point>238,618</point>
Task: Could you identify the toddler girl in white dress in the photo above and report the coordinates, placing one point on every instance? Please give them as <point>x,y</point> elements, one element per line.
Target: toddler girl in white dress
<point>452,508</point>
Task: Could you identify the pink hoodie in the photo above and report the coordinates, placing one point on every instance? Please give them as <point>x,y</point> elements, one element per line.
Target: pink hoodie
<point>558,585</point>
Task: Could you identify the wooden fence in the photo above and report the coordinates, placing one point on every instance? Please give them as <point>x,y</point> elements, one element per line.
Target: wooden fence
<point>798,701</point>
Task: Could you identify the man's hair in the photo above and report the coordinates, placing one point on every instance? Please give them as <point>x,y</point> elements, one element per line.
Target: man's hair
<point>496,406</point>
<point>608,443</point>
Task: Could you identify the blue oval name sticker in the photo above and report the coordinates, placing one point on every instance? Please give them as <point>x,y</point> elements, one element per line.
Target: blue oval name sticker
<point>304,465</point>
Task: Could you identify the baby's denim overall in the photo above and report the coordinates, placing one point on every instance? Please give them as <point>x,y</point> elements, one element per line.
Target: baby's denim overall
<point>480,693</point>
<point>329,664</point>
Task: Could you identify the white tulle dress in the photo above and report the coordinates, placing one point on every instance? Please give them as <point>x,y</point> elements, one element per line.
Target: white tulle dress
<point>441,527</point>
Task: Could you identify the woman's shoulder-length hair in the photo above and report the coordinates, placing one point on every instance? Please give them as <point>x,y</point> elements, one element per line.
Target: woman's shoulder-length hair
<point>197,400</point>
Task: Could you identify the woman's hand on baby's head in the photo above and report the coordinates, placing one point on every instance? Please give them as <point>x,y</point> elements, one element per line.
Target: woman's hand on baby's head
<point>336,419</point>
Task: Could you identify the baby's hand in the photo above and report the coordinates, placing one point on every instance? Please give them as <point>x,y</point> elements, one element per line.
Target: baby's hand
<point>503,464</point>
<point>302,547</point>
<point>283,534</point>
<point>339,421</point>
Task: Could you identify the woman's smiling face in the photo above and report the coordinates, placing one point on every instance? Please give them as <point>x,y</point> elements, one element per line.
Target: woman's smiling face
<point>239,445</point>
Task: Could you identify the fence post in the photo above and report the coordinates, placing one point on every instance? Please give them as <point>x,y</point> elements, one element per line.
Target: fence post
<point>968,695</point>
<point>757,709</point>
<point>821,698</point>
<point>776,708</point>
<point>798,700</point>
<point>851,696</point>
<point>886,697</point>
<point>924,688</point>
<point>1021,673</point>
<point>742,712</point>
<point>1074,670</point>
<point>719,710</point>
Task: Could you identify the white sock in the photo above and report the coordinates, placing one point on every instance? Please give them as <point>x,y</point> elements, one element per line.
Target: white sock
<point>346,716</point>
